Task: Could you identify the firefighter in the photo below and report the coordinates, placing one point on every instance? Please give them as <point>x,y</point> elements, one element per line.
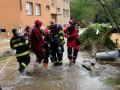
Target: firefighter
<point>71,33</point>
<point>26,32</point>
<point>38,43</point>
<point>21,45</point>
<point>57,42</point>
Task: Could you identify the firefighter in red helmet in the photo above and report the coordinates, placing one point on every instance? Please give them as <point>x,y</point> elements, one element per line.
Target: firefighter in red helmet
<point>71,33</point>
<point>37,44</point>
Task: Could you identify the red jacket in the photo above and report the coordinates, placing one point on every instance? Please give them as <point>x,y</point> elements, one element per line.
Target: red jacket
<point>37,42</point>
<point>72,37</point>
<point>36,38</point>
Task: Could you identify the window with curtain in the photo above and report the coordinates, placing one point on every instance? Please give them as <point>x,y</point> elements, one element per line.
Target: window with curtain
<point>29,8</point>
<point>37,9</point>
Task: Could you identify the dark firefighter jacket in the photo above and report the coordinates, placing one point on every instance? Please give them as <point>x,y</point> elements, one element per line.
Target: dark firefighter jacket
<point>57,33</point>
<point>21,45</point>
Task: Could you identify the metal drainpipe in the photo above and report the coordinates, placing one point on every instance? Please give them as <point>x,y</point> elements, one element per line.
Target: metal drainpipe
<point>56,11</point>
<point>20,3</point>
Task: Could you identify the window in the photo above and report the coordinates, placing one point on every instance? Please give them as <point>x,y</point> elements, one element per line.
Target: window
<point>67,1</point>
<point>64,12</point>
<point>47,7</point>
<point>53,5</point>
<point>63,0</point>
<point>58,9</point>
<point>37,9</point>
<point>29,8</point>
<point>67,13</point>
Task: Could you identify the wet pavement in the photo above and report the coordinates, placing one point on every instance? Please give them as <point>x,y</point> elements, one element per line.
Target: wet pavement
<point>66,77</point>
<point>4,44</point>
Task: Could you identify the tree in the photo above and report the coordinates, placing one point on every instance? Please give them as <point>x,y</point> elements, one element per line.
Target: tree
<point>111,9</point>
<point>100,11</point>
<point>83,9</point>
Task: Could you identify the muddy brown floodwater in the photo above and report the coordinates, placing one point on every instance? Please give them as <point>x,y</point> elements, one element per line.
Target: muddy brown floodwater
<point>66,77</point>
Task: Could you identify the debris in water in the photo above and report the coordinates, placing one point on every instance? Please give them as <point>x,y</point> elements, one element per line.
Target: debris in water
<point>87,65</point>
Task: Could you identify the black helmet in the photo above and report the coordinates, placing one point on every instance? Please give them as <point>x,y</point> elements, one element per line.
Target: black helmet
<point>14,31</point>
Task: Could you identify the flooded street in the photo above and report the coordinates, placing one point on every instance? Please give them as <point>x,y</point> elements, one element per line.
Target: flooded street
<point>32,30</point>
<point>66,77</point>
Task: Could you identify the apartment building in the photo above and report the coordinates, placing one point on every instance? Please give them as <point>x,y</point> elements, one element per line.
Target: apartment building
<point>20,13</point>
<point>60,11</point>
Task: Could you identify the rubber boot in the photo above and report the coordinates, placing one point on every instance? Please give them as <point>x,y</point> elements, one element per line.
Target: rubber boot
<point>60,63</point>
<point>55,63</point>
<point>74,59</point>
<point>21,69</point>
<point>45,65</point>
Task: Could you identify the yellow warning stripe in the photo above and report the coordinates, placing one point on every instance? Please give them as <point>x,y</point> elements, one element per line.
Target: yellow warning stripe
<point>17,45</point>
<point>23,64</point>
<point>23,54</point>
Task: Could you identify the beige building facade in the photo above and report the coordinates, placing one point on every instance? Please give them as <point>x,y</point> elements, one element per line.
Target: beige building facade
<point>60,11</point>
<point>22,13</point>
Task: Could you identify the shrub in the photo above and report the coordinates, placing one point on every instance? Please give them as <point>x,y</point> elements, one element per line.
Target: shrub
<point>101,41</point>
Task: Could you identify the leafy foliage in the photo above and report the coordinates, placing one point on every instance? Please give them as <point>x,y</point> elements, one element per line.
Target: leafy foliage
<point>83,9</point>
<point>91,10</point>
<point>101,41</point>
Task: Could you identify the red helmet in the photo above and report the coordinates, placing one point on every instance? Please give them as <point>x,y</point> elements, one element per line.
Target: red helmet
<point>74,21</point>
<point>38,22</point>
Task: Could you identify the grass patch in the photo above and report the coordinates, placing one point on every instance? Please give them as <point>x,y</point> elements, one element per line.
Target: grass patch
<point>112,81</point>
<point>2,58</point>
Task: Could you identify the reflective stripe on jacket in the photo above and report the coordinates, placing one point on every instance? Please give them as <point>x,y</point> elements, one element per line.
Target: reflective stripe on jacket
<point>21,45</point>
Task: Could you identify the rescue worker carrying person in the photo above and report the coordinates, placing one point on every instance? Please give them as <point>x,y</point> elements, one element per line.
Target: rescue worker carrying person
<point>71,33</point>
<point>37,44</point>
<point>57,42</point>
<point>21,45</point>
